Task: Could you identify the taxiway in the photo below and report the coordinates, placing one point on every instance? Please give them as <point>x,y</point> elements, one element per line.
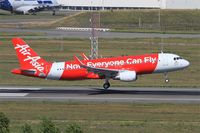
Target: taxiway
<point>53,33</point>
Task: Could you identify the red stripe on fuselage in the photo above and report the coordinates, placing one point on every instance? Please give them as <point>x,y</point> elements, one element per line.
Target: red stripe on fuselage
<point>141,64</point>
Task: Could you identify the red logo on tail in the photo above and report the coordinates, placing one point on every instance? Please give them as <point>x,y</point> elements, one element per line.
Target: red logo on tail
<point>27,57</point>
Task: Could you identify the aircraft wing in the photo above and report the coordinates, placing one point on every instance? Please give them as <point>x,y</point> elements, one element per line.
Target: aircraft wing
<point>26,9</point>
<point>109,73</point>
<point>32,8</point>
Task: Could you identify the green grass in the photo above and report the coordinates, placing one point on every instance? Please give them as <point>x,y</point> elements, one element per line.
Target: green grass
<point>9,20</point>
<point>171,21</point>
<point>107,118</point>
<point>11,34</point>
<point>49,49</point>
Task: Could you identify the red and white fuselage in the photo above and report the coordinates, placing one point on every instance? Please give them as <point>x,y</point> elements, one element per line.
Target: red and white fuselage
<point>124,68</point>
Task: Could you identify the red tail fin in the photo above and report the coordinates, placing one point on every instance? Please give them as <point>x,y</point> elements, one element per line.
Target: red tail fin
<point>28,58</point>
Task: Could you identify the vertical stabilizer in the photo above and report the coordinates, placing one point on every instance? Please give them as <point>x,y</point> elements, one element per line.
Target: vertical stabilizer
<point>28,58</point>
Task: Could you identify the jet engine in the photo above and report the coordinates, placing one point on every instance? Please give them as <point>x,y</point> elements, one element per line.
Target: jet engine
<point>127,76</point>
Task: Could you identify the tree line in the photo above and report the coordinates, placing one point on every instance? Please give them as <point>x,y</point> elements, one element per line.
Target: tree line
<point>46,126</point>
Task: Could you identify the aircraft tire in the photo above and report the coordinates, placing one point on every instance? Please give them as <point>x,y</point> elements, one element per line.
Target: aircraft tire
<point>166,80</point>
<point>106,85</point>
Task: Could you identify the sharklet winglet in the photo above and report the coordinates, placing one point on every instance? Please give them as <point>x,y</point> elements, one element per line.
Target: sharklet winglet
<point>84,56</point>
<point>79,61</point>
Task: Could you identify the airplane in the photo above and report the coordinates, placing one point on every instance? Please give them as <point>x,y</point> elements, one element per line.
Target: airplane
<point>27,6</point>
<point>123,68</point>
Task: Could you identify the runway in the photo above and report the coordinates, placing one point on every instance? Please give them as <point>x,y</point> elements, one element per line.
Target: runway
<point>89,94</point>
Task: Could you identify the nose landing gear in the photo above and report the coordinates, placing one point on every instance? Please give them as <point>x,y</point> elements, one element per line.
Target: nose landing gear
<point>54,12</point>
<point>166,77</point>
<point>166,80</point>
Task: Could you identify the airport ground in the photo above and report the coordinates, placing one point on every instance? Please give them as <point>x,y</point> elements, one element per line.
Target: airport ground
<point>148,21</point>
<point>104,117</point>
<point>97,94</point>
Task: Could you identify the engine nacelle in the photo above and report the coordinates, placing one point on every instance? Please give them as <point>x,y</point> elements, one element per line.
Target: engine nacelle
<point>127,76</point>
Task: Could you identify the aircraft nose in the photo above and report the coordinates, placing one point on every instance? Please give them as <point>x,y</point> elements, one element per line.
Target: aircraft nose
<point>186,63</point>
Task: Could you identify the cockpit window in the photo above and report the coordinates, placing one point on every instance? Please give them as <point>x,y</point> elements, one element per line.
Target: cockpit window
<point>178,58</point>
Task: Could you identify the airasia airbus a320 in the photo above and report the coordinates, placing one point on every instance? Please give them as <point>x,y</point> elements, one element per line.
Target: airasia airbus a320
<point>123,68</point>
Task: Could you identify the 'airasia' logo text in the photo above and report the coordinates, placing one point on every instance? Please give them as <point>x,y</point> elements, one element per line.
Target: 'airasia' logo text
<point>24,50</point>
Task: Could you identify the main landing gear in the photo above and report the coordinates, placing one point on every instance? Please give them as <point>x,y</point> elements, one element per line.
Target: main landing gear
<point>106,85</point>
<point>54,13</point>
<point>166,77</point>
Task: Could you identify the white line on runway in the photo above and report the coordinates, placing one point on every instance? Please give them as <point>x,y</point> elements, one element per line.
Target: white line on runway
<point>13,94</point>
<point>16,94</point>
<point>18,88</point>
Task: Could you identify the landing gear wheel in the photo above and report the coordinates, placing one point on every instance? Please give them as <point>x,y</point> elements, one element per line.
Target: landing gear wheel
<point>166,80</point>
<point>33,13</point>
<point>106,85</point>
<point>54,13</point>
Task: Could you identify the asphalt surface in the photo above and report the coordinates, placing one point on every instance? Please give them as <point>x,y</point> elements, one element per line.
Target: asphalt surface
<point>53,33</point>
<point>88,94</point>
